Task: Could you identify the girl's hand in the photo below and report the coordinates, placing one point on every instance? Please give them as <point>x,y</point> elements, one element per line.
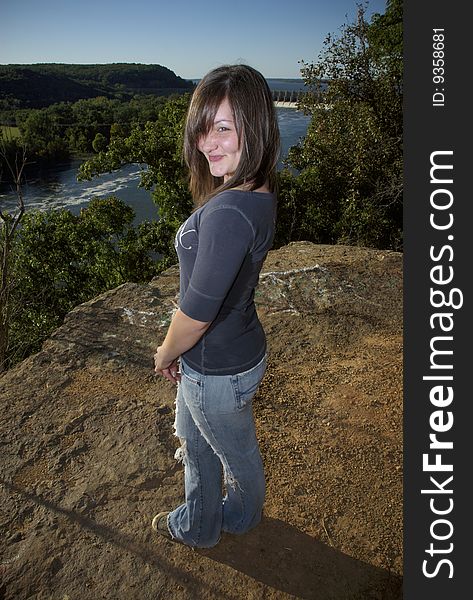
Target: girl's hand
<point>166,368</point>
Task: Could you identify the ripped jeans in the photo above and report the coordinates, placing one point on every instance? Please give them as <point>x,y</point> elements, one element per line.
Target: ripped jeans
<point>214,420</point>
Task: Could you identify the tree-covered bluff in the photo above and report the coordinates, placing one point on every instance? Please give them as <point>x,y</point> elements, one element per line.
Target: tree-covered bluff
<point>40,85</point>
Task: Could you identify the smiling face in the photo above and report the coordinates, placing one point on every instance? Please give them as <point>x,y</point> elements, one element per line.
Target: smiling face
<point>220,145</point>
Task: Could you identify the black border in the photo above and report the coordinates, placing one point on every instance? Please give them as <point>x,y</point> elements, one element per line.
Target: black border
<point>431,128</point>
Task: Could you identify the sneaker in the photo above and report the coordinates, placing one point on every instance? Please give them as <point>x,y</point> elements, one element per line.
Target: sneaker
<point>160,525</point>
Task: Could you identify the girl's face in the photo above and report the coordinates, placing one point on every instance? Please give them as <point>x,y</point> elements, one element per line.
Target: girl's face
<point>220,145</point>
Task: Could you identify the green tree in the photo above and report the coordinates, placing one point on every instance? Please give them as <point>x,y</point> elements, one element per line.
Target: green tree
<point>62,260</point>
<point>157,145</point>
<point>42,135</point>
<point>89,117</point>
<point>349,186</point>
<point>100,143</point>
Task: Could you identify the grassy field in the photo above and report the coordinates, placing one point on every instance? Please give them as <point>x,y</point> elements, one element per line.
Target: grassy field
<point>9,132</point>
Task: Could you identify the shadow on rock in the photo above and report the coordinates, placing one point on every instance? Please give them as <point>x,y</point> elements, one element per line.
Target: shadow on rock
<point>279,555</point>
<point>18,586</point>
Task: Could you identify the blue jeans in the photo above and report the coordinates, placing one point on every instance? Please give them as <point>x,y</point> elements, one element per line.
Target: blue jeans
<point>214,420</point>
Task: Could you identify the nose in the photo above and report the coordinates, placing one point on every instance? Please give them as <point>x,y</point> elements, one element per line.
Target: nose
<point>208,142</point>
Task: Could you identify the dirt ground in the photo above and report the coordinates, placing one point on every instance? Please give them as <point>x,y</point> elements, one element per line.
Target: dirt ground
<point>88,445</point>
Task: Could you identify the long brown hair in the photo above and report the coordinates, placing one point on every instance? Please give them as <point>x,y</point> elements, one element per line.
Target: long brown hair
<point>256,125</point>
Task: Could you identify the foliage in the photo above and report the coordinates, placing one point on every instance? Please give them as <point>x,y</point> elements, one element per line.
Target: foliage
<point>61,260</point>
<point>158,145</point>
<point>56,132</point>
<point>100,142</point>
<point>349,187</point>
<point>41,133</point>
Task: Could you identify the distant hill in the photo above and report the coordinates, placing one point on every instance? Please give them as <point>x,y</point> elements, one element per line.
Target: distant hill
<point>39,85</point>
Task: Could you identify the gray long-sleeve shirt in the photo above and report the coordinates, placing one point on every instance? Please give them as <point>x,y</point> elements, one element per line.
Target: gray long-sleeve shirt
<point>221,248</point>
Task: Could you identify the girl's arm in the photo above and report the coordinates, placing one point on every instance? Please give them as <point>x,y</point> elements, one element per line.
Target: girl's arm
<point>182,335</point>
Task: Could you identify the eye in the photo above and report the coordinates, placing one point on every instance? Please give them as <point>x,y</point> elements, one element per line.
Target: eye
<point>222,128</point>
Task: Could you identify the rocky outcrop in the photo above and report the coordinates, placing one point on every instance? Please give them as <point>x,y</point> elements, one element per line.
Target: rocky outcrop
<point>87,444</point>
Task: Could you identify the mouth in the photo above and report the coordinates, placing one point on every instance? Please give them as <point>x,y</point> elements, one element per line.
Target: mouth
<point>214,158</point>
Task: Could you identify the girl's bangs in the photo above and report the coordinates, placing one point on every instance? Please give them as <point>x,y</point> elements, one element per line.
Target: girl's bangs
<point>204,111</point>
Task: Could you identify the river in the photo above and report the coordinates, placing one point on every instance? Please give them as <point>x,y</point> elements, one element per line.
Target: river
<point>57,187</point>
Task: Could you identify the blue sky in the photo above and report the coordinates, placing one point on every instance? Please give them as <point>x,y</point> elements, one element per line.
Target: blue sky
<point>189,37</point>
